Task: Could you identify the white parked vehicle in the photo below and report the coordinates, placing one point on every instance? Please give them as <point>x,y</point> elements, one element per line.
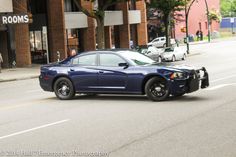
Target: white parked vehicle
<point>160,42</point>
<point>173,54</point>
<point>154,53</point>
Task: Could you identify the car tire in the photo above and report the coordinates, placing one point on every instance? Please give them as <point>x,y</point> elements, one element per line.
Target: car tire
<point>184,57</point>
<point>64,88</point>
<point>157,89</point>
<point>173,58</point>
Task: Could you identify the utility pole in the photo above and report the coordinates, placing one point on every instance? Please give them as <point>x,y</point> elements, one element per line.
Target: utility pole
<point>232,18</point>
<point>187,10</point>
<point>208,21</point>
<point>186,26</point>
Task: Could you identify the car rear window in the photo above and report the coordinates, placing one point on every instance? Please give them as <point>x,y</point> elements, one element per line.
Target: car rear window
<point>89,60</point>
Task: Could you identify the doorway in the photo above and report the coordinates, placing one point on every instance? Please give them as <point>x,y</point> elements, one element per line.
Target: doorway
<point>39,46</point>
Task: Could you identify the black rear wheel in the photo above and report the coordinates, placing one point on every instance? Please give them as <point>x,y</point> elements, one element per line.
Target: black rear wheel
<point>157,89</point>
<point>64,88</point>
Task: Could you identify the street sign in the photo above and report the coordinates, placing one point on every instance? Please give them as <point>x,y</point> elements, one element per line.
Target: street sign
<point>232,20</point>
<point>183,29</point>
<point>15,19</point>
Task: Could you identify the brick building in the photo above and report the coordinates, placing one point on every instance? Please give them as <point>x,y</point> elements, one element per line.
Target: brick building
<point>198,19</point>
<point>59,26</point>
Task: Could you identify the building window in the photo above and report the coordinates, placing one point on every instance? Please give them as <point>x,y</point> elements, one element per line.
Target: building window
<point>200,25</point>
<point>69,6</point>
<point>37,7</point>
<point>206,24</point>
<point>72,40</point>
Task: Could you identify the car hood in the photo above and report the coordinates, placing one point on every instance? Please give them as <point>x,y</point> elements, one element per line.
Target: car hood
<point>182,67</point>
<point>172,67</point>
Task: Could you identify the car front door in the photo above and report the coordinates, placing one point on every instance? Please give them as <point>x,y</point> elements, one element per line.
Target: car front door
<point>179,55</point>
<point>84,72</point>
<point>111,76</point>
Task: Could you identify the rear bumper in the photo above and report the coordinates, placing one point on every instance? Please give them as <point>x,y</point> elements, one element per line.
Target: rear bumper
<point>45,84</point>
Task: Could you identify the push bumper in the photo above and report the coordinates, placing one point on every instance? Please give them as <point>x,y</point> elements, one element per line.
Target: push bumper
<point>197,79</point>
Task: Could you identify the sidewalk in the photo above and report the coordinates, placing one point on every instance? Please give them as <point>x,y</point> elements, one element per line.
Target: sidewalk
<point>15,74</point>
<point>212,41</point>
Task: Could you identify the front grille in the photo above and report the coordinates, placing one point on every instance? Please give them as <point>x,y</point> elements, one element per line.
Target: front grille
<point>193,81</point>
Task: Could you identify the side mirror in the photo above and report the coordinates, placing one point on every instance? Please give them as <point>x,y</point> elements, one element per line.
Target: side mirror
<point>125,65</point>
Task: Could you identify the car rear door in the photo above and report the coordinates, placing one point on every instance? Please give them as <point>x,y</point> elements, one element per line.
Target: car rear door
<point>84,72</point>
<point>111,76</point>
<point>162,42</point>
<point>156,42</point>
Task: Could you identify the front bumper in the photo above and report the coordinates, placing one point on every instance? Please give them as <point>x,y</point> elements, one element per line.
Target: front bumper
<point>166,58</point>
<point>197,79</point>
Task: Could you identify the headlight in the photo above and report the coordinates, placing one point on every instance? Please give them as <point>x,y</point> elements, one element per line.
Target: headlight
<point>178,75</point>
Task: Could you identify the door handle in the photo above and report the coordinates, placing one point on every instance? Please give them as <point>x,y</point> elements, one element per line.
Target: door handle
<point>101,72</point>
<point>72,69</point>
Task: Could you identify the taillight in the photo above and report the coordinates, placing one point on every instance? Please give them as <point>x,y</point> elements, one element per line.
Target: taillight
<point>45,77</point>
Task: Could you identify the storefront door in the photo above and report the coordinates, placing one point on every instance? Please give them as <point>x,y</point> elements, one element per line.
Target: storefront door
<point>39,46</point>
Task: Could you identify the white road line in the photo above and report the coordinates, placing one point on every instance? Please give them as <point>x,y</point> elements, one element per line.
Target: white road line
<point>224,78</point>
<point>33,129</point>
<point>220,86</point>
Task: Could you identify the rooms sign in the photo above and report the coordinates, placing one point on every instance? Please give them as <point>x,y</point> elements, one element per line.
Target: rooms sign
<point>15,19</point>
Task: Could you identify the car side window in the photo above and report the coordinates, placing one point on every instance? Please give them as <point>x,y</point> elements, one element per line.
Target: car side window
<point>110,60</point>
<point>89,60</point>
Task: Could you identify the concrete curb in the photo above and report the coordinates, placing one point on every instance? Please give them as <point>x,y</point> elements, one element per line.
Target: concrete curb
<point>194,54</point>
<point>18,79</point>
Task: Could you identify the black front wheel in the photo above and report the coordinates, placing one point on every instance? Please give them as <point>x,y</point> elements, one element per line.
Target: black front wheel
<point>64,88</point>
<point>157,89</point>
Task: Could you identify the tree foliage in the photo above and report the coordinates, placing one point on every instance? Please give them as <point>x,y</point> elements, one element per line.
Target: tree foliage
<point>214,16</point>
<point>98,14</point>
<point>167,8</point>
<point>228,8</point>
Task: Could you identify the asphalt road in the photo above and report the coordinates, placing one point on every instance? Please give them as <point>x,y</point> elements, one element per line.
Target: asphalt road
<point>35,123</point>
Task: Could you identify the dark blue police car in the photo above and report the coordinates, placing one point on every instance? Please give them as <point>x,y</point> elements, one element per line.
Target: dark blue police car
<point>120,72</point>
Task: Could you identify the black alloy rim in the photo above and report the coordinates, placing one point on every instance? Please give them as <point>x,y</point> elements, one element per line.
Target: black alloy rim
<point>158,89</point>
<point>63,88</point>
